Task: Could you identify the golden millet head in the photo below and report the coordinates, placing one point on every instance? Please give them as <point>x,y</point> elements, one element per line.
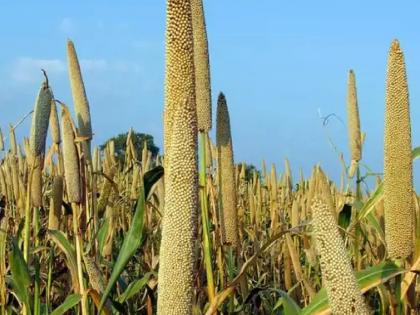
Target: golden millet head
<point>81,104</point>
<point>70,157</point>
<point>40,120</point>
<point>223,135</point>
<point>180,216</point>
<point>202,68</point>
<point>179,70</point>
<point>227,185</point>
<point>36,185</point>
<point>343,291</point>
<point>398,164</point>
<point>355,139</point>
<point>96,279</point>
<point>12,141</point>
<point>3,187</point>
<point>12,162</point>
<point>106,190</point>
<point>296,211</point>
<point>55,203</point>
<point>55,126</point>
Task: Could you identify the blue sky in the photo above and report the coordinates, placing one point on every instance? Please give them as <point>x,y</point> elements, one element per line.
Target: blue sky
<point>278,62</point>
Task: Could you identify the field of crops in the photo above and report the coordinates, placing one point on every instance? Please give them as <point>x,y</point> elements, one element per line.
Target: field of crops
<point>84,231</point>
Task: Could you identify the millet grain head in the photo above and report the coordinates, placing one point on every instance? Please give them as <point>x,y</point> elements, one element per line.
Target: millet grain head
<point>55,125</point>
<point>179,223</point>
<point>355,138</point>
<point>202,67</point>
<point>40,120</point>
<point>353,119</point>
<point>70,158</point>
<point>343,291</point>
<point>227,187</point>
<point>12,141</point>
<point>81,104</point>
<point>37,140</point>
<point>56,201</point>
<point>21,160</point>
<point>179,68</point>
<point>106,190</point>
<point>36,185</point>
<point>398,167</point>
<point>3,186</point>
<point>96,279</point>
<point>14,170</point>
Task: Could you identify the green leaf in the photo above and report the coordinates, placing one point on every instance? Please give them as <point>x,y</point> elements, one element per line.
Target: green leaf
<point>385,298</point>
<point>289,305</point>
<point>60,239</point>
<point>344,216</point>
<point>21,279</point>
<point>367,279</point>
<point>18,266</point>
<point>150,178</point>
<point>69,302</point>
<point>37,297</point>
<point>134,287</point>
<point>130,244</point>
<point>376,225</point>
<point>102,234</point>
<point>416,153</point>
<point>369,205</point>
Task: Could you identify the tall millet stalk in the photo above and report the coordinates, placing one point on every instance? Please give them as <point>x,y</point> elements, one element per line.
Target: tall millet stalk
<point>398,167</point>
<point>179,223</point>
<point>81,104</point>
<point>37,141</point>
<point>73,187</point>
<point>203,102</point>
<point>338,278</point>
<point>355,139</point>
<point>227,186</point>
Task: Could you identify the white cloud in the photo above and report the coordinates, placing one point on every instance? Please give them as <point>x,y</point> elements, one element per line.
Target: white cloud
<point>67,26</point>
<point>28,69</point>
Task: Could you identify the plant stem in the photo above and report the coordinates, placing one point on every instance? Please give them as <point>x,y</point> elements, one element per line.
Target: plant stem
<point>37,297</point>
<point>79,247</point>
<point>49,279</point>
<point>27,226</point>
<point>358,198</point>
<point>204,216</point>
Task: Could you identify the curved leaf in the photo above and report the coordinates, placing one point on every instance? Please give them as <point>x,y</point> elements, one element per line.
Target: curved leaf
<point>289,305</point>
<point>374,198</point>
<point>102,234</point>
<point>61,241</point>
<point>131,243</point>
<point>367,279</point>
<point>69,302</point>
<point>134,287</point>
<point>416,153</point>
<point>150,178</point>
<point>21,279</point>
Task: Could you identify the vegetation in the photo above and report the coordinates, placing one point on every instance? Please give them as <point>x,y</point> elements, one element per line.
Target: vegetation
<point>120,229</point>
<point>138,140</point>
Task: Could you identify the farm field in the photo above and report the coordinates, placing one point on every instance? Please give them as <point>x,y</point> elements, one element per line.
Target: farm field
<point>126,228</point>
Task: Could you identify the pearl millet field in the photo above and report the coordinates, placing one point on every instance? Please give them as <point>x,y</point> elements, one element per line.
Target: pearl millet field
<point>121,229</point>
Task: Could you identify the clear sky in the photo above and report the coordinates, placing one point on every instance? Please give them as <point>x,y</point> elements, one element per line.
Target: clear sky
<point>279,63</point>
